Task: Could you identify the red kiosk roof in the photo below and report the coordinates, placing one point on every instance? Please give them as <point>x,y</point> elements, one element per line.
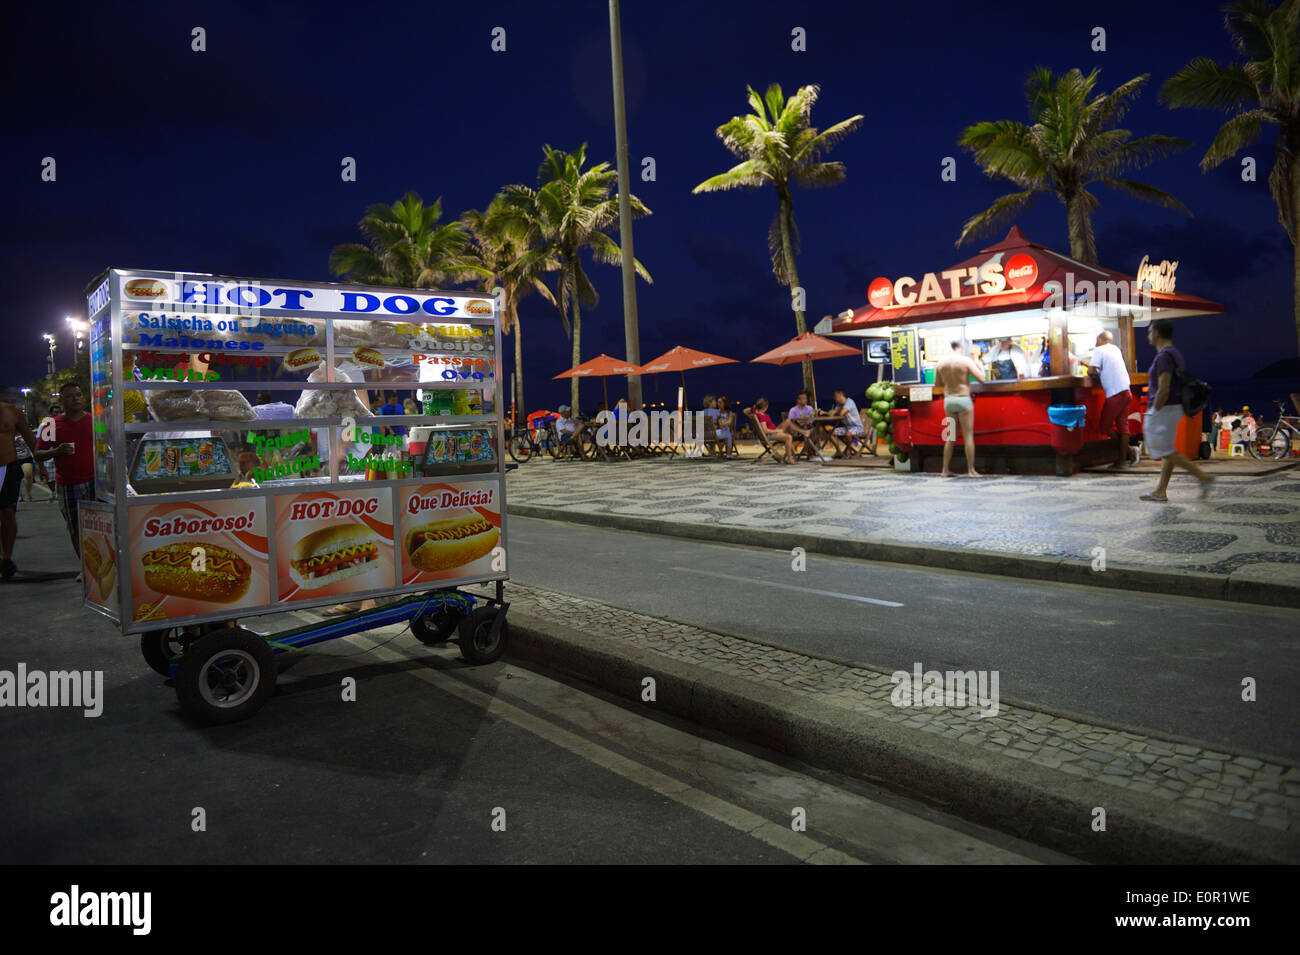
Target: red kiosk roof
<point>1034,264</point>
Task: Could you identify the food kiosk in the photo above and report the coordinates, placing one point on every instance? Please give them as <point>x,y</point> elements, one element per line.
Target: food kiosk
<point>1031,316</point>
<point>249,460</point>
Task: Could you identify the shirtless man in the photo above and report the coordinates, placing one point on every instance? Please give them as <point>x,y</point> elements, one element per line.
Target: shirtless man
<point>953,375</point>
<point>12,422</point>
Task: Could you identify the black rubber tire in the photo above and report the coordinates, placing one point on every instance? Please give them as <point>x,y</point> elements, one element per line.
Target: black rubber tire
<point>1261,449</point>
<point>520,449</point>
<point>474,631</point>
<point>159,646</point>
<point>436,627</point>
<point>552,446</point>
<point>214,665</point>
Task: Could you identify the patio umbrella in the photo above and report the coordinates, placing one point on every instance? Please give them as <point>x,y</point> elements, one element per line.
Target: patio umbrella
<point>602,366</point>
<point>683,359</point>
<point>807,347</point>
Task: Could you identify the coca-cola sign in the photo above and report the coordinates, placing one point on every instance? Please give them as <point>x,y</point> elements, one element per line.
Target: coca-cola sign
<point>1021,271</point>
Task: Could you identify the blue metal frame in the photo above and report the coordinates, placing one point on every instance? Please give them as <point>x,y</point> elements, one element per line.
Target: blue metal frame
<point>416,605</point>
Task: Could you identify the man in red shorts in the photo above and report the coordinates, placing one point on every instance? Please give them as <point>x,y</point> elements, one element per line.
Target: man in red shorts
<point>1107,364</point>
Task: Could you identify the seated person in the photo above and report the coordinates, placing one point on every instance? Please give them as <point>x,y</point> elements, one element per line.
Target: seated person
<point>710,442</point>
<point>800,420</point>
<point>567,427</point>
<point>726,421</point>
<point>847,408</point>
<point>775,436</point>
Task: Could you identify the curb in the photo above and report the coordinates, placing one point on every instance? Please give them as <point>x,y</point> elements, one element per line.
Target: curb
<point>1032,802</point>
<point>971,560</point>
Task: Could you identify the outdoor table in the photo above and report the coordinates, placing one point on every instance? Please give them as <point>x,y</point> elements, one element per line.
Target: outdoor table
<point>821,425</point>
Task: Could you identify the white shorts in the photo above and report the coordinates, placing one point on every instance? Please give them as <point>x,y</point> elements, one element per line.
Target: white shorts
<point>1160,429</point>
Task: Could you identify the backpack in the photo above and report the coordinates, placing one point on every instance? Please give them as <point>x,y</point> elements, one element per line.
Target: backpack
<point>1194,392</point>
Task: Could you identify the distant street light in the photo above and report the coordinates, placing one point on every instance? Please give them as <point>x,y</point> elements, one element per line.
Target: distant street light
<point>53,343</point>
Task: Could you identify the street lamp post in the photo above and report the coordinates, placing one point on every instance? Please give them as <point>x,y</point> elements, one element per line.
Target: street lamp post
<point>53,343</point>
<point>631,332</point>
<point>78,329</point>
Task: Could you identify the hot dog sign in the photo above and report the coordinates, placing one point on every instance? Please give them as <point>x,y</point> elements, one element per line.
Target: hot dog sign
<point>450,530</point>
<point>189,559</point>
<point>333,542</point>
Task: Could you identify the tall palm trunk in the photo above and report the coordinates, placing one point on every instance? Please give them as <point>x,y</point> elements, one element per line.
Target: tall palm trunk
<point>1083,245</point>
<point>577,353</point>
<point>1295,241</point>
<point>519,368</point>
<point>785,215</point>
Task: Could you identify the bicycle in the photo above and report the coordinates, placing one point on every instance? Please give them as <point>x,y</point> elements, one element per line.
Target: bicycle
<point>526,443</point>
<point>1276,440</point>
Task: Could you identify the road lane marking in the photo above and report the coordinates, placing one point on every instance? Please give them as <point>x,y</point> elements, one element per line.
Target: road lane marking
<point>806,590</point>
<point>797,844</point>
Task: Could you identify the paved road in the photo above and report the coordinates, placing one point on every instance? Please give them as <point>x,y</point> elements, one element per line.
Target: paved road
<point>410,772</point>
<point>1162,664</point>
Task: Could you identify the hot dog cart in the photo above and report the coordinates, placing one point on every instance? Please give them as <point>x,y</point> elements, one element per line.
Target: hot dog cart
<point>256,452</point>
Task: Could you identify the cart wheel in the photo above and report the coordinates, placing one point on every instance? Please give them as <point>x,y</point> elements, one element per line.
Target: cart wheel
<point>436,627</point>
<point>476,642</point>
<point>226,676</point>
<point>159,646</point>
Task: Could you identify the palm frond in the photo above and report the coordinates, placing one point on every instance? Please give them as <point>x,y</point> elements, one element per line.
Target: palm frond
<point>1282,185</point>
<point>1206,84</point>
<point>747,175</point>
<point>1234,135</point>
<point>1140,190</point>
<point>1004,209</point>
<point>819,175</point>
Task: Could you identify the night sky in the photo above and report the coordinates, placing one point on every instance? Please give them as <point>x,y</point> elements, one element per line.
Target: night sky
<point>228,161</point>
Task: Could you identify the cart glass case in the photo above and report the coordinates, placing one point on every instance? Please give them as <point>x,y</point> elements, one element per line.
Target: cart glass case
<point>262,443</point>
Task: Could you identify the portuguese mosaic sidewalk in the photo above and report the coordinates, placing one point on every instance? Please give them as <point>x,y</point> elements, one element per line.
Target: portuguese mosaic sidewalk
<point>1033,772</point>
<point>1242,543</point>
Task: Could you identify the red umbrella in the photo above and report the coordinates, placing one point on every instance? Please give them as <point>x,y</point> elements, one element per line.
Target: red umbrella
<point>807,347</point>
<point>683,359</point>
<point>602,366</point>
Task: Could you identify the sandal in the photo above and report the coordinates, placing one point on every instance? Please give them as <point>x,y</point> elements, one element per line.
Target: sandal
<point>339,610</point>
<point>1152,497</point>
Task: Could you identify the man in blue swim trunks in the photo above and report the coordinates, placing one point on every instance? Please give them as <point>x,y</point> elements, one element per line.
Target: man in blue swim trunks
<point>953,374</point>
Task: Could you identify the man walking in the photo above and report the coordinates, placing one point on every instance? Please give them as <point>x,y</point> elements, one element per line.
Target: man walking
<point>13,424</point>
<point>953,374</point>
<point>1107,363</point>
<point>73,449</point>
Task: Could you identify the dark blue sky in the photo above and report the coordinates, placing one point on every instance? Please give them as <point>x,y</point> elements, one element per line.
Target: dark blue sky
<point>228,161</point>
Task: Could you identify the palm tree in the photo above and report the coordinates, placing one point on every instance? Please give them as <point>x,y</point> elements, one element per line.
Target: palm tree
<point>567,214</point>
<point>499,244</point>
<point>1069,145</point>
<point>407,248</point>
<point>1263,89</point>
<point>777,146</point>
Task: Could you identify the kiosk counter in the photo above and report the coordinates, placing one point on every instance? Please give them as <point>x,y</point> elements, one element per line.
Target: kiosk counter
<point>1030,317</point>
